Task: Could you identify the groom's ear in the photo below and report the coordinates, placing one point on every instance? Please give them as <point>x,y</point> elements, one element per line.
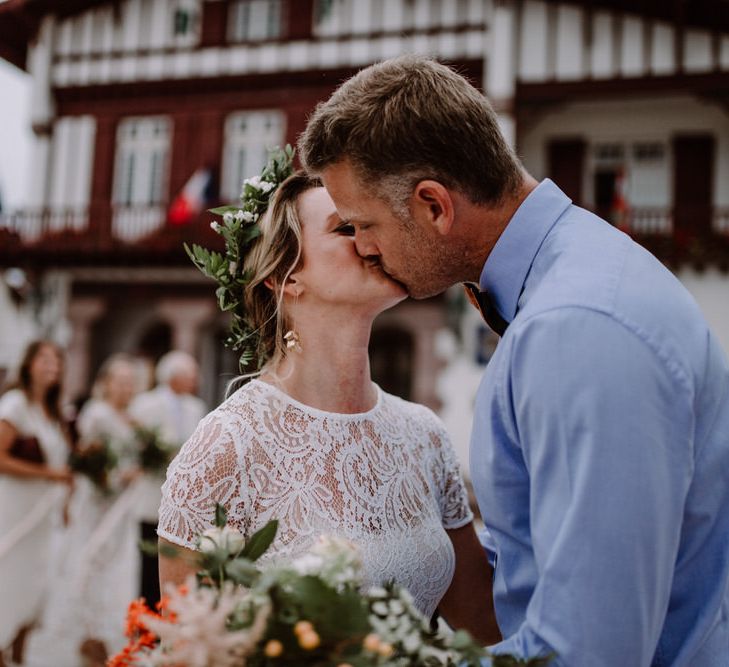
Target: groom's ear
<point>433,204</point>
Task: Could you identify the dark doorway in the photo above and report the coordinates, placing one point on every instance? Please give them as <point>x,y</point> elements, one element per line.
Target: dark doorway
<point>391,360</point>
<point>565,164</point>
<point>155,342</point>
<point>693,180</point>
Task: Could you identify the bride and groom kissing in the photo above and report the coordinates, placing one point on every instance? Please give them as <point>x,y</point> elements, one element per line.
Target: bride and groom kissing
<point>600,442</point>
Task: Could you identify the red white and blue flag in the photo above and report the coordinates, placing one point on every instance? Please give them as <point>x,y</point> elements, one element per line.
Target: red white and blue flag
<point>192,199</point>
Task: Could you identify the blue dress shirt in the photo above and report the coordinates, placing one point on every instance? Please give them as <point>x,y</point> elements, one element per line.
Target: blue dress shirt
<point>600,450</point>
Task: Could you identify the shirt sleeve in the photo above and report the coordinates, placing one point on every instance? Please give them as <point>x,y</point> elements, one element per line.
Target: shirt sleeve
<point>206,471</point>
<point>604,420</point>
<point>455,510</point>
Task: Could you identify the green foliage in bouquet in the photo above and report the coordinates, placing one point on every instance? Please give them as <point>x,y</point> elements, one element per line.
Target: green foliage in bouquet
<point>239,229</point>
<point>95,461</point>
<point>309,612</point>
<point>154,453</point>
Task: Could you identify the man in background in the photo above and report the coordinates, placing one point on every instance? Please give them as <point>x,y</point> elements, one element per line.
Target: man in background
<point>172,410</point>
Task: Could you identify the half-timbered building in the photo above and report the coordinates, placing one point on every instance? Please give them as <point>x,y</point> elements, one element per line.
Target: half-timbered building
<point>624,104</point>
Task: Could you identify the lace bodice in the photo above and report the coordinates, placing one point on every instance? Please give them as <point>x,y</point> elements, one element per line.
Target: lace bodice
<point>386,479</point>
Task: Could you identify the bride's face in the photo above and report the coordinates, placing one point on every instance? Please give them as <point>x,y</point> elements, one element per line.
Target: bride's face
<point>332,271</point>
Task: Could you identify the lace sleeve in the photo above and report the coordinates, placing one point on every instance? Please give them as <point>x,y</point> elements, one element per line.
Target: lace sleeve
<point>206,471</point>
<point>455,510</point>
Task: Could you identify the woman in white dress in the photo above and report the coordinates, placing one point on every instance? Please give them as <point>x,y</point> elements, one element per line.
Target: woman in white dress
<point>314,443</point>
<point>34,488</point>
<point>84,617</point>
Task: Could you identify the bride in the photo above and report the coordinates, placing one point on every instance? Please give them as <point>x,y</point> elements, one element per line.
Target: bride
<point>314,443</point>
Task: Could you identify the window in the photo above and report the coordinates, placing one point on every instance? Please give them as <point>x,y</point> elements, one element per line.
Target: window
<point>185,23</point>
<point>255,20</point>
<point>249,135</point>
<point>631,184</point>
<point>142,150</point>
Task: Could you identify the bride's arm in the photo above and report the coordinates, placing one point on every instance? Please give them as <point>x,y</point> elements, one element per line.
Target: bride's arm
<point>175,569</point>
<point>468,602</point>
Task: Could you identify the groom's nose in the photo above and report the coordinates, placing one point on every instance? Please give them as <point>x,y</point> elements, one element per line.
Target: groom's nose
<point>364,247</point>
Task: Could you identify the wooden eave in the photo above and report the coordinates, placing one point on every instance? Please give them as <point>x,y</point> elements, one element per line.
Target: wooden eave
<point>20,20</point>
<point>710,15</point>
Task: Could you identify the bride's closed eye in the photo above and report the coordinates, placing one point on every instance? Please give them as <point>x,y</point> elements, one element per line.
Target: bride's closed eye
<point>345,228</point>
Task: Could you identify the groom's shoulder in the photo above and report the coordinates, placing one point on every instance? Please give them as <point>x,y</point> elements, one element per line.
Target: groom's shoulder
<point>587,264</point>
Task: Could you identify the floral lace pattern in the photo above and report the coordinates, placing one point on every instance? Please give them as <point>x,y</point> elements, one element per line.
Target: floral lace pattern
<point>386,479</point>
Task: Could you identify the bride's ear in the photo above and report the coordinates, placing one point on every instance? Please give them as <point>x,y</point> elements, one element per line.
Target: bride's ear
<point>293,286</point>
<point>432,203</point>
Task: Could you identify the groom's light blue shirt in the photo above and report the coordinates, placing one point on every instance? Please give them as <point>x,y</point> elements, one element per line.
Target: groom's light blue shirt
<point>600,450</point>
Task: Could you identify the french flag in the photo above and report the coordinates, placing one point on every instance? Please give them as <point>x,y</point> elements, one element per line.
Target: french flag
<point>196,194</point>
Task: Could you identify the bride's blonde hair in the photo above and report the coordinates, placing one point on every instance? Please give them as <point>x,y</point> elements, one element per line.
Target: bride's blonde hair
<point>275,255</point>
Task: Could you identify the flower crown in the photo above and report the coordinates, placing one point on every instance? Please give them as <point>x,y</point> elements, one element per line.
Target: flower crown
<point>239,230</point>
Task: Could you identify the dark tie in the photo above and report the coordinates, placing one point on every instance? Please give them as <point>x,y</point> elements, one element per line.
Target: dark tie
<point>485,306</point>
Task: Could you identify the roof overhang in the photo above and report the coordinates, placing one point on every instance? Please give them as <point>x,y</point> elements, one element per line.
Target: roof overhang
<point>20,19</point>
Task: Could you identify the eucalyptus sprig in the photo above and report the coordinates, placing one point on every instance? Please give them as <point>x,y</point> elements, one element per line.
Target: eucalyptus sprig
<point>239,229</point>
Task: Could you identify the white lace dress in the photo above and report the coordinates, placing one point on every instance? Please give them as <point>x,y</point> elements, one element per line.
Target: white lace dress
<point>386,479</point>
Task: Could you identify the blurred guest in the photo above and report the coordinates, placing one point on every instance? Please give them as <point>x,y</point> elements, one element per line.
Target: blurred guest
<point>84,618</point>
<point>173,410</point>
<point>35,485</point>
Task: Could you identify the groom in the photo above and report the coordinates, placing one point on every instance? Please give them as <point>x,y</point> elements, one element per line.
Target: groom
<point>600,446</point>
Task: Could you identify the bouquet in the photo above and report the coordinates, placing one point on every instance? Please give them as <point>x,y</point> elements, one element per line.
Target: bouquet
<point>154,453</point>
<point>308,612</point>
<point>96,461</point>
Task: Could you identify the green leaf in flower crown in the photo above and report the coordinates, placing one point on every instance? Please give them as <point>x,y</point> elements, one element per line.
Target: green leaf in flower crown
<point>239,232</point>
<point>222,210</point>
<point>259,542</point>
<point>221,516</point>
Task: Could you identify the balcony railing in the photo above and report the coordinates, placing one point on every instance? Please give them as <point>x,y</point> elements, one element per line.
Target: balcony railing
<point>103,234</point>
<point>99,234</point>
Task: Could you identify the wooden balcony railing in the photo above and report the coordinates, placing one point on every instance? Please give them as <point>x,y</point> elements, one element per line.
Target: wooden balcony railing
<point>136,235</point>
<point>99,235</point>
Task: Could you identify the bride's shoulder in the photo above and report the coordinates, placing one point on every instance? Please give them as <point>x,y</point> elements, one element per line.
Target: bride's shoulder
<point>414,413</point>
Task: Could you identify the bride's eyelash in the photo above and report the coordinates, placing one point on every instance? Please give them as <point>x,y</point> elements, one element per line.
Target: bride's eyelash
<point>346,229</point>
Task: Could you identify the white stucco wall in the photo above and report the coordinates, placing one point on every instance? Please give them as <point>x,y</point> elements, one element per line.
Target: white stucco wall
<point>711,291</point>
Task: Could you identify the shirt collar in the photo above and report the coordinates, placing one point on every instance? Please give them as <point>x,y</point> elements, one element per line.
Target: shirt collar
<point>508,264</point>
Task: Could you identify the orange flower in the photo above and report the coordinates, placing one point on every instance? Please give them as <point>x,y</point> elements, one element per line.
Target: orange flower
<point>134,624</point>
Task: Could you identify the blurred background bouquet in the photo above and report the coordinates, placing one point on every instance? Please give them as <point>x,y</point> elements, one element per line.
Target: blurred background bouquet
<point>96,461</point>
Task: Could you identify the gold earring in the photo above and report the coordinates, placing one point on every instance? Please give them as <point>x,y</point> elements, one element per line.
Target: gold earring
<point>293,341</point>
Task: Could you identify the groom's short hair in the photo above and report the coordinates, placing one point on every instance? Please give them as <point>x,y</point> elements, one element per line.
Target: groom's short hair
<point>407,119</point>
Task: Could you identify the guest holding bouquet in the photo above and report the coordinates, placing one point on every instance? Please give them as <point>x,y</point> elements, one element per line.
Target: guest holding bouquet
<point>84,618</point>
<point>35,485</point>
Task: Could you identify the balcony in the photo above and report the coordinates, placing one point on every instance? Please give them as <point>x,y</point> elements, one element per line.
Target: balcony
<point>685,236</point>
<point>99,235</point>
<point>102,235</point>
